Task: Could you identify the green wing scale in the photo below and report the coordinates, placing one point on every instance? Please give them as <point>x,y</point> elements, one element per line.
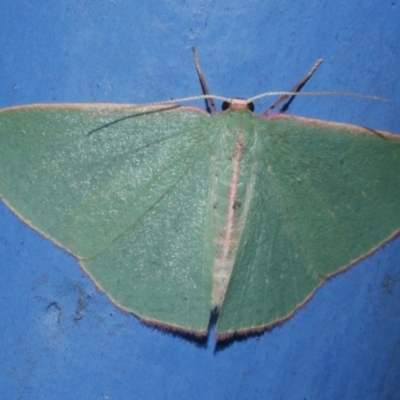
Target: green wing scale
<point>125,194</point>
<point>326,195</point>
<point>176,212</point>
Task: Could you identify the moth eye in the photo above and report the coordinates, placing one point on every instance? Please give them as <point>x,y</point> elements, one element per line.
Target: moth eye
<point>225,105</point>
<point>251,106</point>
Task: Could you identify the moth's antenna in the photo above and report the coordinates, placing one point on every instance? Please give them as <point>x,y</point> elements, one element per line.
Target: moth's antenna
<point>296,88</point>
<point>203,83</point>
<point>294,94</point>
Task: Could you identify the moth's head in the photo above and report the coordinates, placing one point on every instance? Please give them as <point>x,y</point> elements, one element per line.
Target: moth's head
<point>238,104</point>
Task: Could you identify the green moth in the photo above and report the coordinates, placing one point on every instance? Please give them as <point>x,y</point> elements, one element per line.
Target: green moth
<point>175,212</point>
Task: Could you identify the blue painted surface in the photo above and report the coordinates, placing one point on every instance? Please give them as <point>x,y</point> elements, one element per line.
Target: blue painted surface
<point>60,338</point>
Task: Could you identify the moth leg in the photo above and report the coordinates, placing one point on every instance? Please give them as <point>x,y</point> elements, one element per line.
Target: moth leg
<point>211,108</point>
<point>296,88</point>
